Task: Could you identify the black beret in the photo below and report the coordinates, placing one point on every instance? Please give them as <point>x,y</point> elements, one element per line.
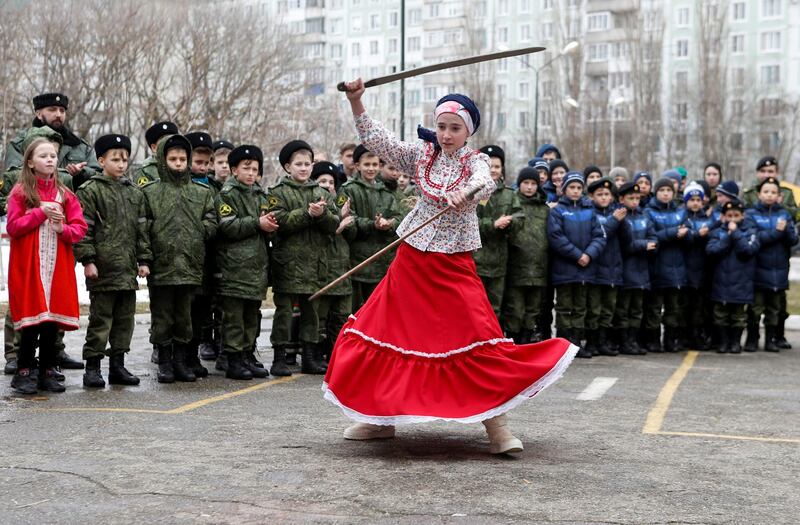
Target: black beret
<point>360,150</point>
<point>735,204</point>
<point>591,169</point>
<point>246,152</point>
<point>285,156</point>
<point>766,162</point>
<point>628,187</point>
<point>158,130</point>
<point>558,163</point>
<point>199,139</point>
<point>112,141</point>
<point>45,100</point>
<point>495,151</point>
<point>528,173</point>
<point>769,180</point>
<point>604,182</point>
<point>324,167</point>
<point>222,143</point>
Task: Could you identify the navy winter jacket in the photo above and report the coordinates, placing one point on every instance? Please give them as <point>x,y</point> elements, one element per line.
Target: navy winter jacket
<point>667,268</point>
<point>635,232</point>
<point>772,262</point>
<point>697,269</point>
<point>572,230</point>
<point>609,264</point>
<point>550,190</point>
<point>735,257</point>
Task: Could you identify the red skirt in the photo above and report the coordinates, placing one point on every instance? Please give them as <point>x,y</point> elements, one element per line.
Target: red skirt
<point>427,346</point>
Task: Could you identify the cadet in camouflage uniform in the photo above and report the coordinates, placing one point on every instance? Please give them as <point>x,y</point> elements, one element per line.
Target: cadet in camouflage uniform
<point>113,252</point>
<point>307,216</point>
<point>377,216</point>
<point>242,260</point>
<point>7,182</point>
<point>498,218</point>
<point>180,220</point>
<point>765,168</point>
<point>148,171</point>
<point>527,262</point>
<point>337,304</point>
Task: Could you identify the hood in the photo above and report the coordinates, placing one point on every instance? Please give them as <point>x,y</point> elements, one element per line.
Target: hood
<point>548,147</point>
<point>165,173</point>
<point>38,132</point>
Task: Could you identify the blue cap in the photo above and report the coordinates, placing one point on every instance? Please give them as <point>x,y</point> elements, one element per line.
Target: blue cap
<point>572,176</point>
<point>729,188</point>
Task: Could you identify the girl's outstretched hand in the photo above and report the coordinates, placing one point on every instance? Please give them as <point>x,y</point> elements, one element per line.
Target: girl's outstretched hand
<point>354,89</point>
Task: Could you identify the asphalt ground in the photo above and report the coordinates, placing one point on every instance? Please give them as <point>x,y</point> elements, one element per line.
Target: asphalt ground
<point>694,437</point>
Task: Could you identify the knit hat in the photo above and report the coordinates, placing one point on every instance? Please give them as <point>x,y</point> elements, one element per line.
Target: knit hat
<point>664,182</point>
<point>588,170</point>
<point>729,188</point>
<point>682,171</point>
<point>706,188</point>
<point>604,182</point>
<point>672,174</point>
<point>569,178</point>
<point>693,190</point>
<point>618,171</point>
<point>558,163</point>
<point>628,187</point>
<point>528,173</point>
<point>643,174</point>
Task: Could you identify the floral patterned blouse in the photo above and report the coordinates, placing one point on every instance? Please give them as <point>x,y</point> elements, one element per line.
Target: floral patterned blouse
<point>436,173</point>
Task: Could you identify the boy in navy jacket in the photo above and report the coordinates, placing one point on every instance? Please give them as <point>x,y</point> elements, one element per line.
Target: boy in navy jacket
<point>637,240</point>
<point>733,245</point>
<point>576,241</point>
<point>602,295</point>
<point>776,235</point>
<point>667,269</point>
<point>694,295</point>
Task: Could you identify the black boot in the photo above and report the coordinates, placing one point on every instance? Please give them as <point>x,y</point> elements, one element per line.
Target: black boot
<point>604,346</point>
<point>769,340</point>
<point>208,351</point>
<point>166,374</point>
<point>724,340</point>
<point>250,363</point>
<point>11,366</point>
<point>291,357</point>
<point>92,377</point>
<point>118,374</point>
<point>309,363</point>
<point>780,338</point>
<point>735,340</point>
<point>193,361</point>
<point>237,368</point>
<point>222,361</point>
<point>572,337</point>
<point>654,341</point>
<point>751,344</point>
<point>154,356</point>
<point>679,338</point>
<point>669,340</point>
<point>279,367</point>
<point>26,380</point>
<point>253,359</point>
<point>591,342</point>
<point>626,344</point>
<point>181,369</point>
<point>634,344</point>
<point>48,382</point>
<point>65,361</point>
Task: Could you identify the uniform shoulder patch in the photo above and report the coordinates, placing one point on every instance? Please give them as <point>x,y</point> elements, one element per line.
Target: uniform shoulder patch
<point>341,200</point>
<point>142,180</point>
<point>225,210</point>
<point>272,202</point>
<point>2,182</point>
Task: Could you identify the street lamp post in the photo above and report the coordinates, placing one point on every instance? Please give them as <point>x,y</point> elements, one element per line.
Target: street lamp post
<point>569,48</point>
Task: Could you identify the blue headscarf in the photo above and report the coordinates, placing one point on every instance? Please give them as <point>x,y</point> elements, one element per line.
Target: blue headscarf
<point>430,136</point>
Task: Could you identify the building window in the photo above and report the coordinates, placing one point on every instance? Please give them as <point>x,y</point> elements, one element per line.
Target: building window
<point>502,65</point>
<point>414,17</point>
<point>737,44</point>
<point>682,111</point>
<point>433,10</point>
<point>770,8</point>
<point>335,26</point>
<point>683,17</point>
<point>737,108</point>
<point>680,141</point>
<point>394,19</point>
<point>547,4</point>
<point>524,6</point>
<point>771,41</point>
<point>771,107</point>
<point>682,48</point>
<point>737,77</point>
<point>524,90</point>
<point>502,91</point>
<point>355,49</point>
<point>392,45</point>
<point>735,141</point>
<point>739,11</point>
<point>547,31</point>
<point>502,7</point>
<point>524,118</point>
<point>525,32</point>
<point>502,34</point>
<point>355,23</point>
<point>336,50</point>
<point>574,28</point>
<point>598,21</point>
<point>430,93</point>
<point>770,75</point>
<point>375,21</point>
<point>598,52</point>
<point>413,98</point>
<point>452,37</point>
<point>414,43</point>
<point>373,47</point>
<point>770,141</point>
<point>501,121</point>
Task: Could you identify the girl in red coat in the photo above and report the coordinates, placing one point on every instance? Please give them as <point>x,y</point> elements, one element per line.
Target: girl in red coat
<point>44,221</point>
<point>426,345</point>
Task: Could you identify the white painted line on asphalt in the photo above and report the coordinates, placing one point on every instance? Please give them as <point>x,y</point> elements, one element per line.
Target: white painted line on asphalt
<point>597,388</point>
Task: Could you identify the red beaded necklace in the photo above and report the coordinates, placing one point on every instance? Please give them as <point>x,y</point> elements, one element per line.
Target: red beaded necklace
<point>429,159</point>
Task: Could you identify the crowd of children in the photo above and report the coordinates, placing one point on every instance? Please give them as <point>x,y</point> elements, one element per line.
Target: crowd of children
<point>616,258</point>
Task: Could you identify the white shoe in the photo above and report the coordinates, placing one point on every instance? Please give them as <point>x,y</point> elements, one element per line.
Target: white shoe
<point>501,440</point>
<point>366,431</point>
